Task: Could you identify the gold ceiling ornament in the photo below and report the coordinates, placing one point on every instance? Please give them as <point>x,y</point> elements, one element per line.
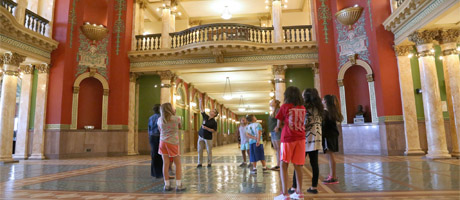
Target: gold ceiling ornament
<point>349,16</point>
<point>94,32</point>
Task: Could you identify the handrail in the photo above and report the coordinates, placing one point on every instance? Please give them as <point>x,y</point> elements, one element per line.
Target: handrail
<point>148,42</point>
<point>35,22</point>
<point>9,5</point>
<point>224,32</point>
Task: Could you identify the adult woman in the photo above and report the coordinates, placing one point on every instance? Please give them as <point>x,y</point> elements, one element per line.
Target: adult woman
<point>275,134</point>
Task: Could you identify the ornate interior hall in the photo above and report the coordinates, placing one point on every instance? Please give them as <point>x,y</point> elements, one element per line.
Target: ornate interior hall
<point>79,80</point>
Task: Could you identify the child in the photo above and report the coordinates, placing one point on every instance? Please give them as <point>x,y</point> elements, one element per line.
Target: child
<point>256,148</point>
<point>313,120</point>
<point>292,148</point>
<point>275,135</point>
<point>331,117</point>
<point>244,143</point>
<point>168,124</point>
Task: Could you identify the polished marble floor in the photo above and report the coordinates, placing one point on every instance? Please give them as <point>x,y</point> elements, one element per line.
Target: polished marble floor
<point>361,177</point>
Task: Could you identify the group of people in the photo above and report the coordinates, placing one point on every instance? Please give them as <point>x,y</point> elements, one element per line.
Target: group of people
<point>302,126</point>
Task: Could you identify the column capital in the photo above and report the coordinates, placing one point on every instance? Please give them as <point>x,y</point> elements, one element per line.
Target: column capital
<point>279,69</point>
<point>340,82</point>
<point>423,37</point>
<point>10,58</point>
<point>403,50</point>
<point>26,69</point>
<point>370,77</point>
<point>449,36</point>
<point>166,75</point>
<point>43,68</point>
<point>133,77</point>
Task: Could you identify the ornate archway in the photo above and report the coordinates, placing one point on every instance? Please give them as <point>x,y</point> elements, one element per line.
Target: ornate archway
<point>370,81</point>
<point>76,91</point>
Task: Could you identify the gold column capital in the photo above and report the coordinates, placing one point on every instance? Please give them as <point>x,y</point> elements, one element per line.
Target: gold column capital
<point>340,82</point>
<point>26,69</point>
<point>403,50</point>
<point>43,68</point>
<point>133,77</point>
<point>11,58</point>
<point>449,36</point>
<point>166,75</point>
<point>369,77</point>
<point>279,69</point>
<point>423,37</point>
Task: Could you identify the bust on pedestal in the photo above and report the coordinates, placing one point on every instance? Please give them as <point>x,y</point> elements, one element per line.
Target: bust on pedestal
<point>359,117</point>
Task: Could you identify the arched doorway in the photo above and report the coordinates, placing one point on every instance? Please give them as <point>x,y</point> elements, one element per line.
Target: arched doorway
<point>90,99</point>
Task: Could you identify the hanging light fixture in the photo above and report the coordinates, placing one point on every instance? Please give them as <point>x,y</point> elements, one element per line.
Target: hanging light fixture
<point>226,13</point>
<point>241,107</point>
<point>227,94</point>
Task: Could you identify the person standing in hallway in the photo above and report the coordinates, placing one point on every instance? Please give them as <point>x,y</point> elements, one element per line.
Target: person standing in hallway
<point>256,148</point>
<point>292,148</point>
<point>275,134</point>
<point>208,127</point>
<point>244,143</point>
<point>154,140</point>
<point>313,130</point>
<point>331,117</point>
<point>169,124</point>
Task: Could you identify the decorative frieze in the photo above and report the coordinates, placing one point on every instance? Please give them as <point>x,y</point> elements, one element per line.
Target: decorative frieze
<point>43,68</point>
<point>279,69</point>
<point>26,69</point>
<point>403,50</point>
<point>11,73</point>
<point>423,37</point>
<point>11,58</point>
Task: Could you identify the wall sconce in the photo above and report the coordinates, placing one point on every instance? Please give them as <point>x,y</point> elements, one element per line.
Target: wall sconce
<point>349,16</point>
<point>418,91</point>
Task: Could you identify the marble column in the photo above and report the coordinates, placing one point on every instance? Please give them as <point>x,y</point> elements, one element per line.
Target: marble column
<point>276,19</point>
<point>130,142</point>
<point>451,65</point>
<point>408,101</point>
<point>22,134</point>
<point>317,82</point>
<point>435,131</point>
<point>11,63</point>
<point>165,96</point>
<point>166,27</point>
<point>20,11</point>
<point>38,146</point>
<point>280,82</point>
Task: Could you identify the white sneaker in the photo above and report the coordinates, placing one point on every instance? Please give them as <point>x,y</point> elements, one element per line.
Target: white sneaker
<point>282,197</point>
<point>296,195</point>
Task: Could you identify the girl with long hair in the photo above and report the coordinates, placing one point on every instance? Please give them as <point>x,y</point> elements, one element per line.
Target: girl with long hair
<point>292,146</point>
<point>275,134</point>
<point>169,124</point>
<point>331,117</point>
<point>313,120</point>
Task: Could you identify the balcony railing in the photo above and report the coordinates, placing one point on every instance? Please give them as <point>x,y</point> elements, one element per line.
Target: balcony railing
<point>35,22</point>
<point>224,32</point>
<point>9,5</point>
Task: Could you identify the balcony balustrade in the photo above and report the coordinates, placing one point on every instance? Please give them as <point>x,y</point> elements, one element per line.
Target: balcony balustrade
<point>224,32</point>
<point>32,21</point>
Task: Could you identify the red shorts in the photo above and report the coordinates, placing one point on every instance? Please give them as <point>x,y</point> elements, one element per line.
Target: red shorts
<point>293,152</point>
<point>172,150</point>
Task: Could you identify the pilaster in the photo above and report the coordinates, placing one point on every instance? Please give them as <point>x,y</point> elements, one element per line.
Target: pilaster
<point>131,149</point>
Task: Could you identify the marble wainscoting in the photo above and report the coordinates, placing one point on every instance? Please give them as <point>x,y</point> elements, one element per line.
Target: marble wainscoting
<point>61,144</point>
<point>361,139</point>
<point>392,138</point>
<point>143,142</point>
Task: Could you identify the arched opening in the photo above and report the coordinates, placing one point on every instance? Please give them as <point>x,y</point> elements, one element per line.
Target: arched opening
<point>90,103</point>
<point>357,93</point>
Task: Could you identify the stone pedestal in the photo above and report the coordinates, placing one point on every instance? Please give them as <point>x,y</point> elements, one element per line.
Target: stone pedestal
<point>38,147</point>
<point>280,82</point>
<point>408,101</point>
<point>11,63</point>
<point>436,136</point>
<point>22,135</point>
<point>130,142</point>
<point>276,18</point>
<point>451,65</point>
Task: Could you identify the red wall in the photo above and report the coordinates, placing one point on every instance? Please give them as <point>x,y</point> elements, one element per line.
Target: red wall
<point>90,103</point>
<point>356,92</point>
<point>95,11</point>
